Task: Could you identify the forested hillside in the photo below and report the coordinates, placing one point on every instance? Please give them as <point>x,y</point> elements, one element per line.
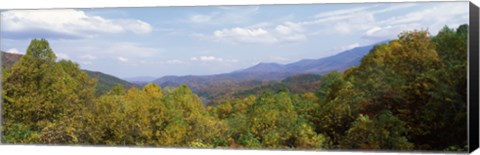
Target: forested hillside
<point>8,59</point>
<point>106,82</point>
<point>407,94</point>
<point>296,84</point>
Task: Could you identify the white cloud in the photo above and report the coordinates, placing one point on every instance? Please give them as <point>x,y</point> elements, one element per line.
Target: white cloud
<point>14,51</point>
<point>288,31</point>
<point>283,29</point>
<point>240,32</point>
<point>122,59</point>
<point>354,22</point>
<point>200,18</point>
<point>135,26</point>
<point>288,28</point>
<point>209,58</point>
<point>395,6</point>
<point>232,15</point>
<point>351,46</point>
<point>66,23</point>
<point>340,12</point>
<point>433,19</point>
<point>131,52</point>
<point>373,30</point>
<point>350,20</point>
<point>363,20</point>
<point>353,13</point>
<point>246,35</point>
<point>100,52</point>
<point>438,14</point>
<point>347,21</point>
<point>174,61</point>
<point>62,56</point>
<point>337,17</point>
<point>346,47</point>
<point>388,31</point>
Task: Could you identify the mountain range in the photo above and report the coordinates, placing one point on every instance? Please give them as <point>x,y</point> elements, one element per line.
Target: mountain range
<point>275,71</point>
<point>210,87</point>
<point>338,62</point>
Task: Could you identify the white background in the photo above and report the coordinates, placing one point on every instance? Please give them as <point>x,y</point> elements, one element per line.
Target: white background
<point>84,150</point>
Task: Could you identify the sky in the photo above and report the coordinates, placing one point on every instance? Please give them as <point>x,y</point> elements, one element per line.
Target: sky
<point>160,41</point>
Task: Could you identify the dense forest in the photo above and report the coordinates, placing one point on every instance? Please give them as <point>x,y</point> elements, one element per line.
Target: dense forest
<point>407,94</point>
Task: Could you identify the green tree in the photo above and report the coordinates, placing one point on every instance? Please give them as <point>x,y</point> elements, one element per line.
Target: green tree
<point>37,91</point>
<point>273,122</point>
<point>446,94</point>
<point>385,132</point>
<point>68,129</point>
<point>338,105</point>
<point>422,80</point>
<point>117,89</point>
<point>187,122</point>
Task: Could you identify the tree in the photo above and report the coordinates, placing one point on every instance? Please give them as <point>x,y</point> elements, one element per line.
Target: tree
<point>153,90</point>
<point>68,129</point>
<point>117,89</point>
<point>331,84</point>
<point>272,122</point>
<point>338,104</point>
<point>37,91</point>
<point>106,123</point>
<point>385,132</point>
<point>422,81</point>
<point>187,122</point>
<point>446,94</point>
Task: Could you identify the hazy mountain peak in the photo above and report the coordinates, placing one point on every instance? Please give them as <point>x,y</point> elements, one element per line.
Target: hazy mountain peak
<point>265,67</point>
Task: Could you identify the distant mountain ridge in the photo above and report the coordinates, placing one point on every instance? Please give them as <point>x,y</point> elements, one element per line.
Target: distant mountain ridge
<point>264,67</point>
<point>140,80</point>
<point>338,62</point>
<point>275,71</point>
<point>212,86</point>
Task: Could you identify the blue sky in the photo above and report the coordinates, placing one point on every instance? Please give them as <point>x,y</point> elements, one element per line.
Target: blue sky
<point>158,41</point>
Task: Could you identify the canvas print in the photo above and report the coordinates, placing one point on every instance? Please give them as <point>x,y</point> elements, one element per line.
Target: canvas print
<point>359,76</point>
